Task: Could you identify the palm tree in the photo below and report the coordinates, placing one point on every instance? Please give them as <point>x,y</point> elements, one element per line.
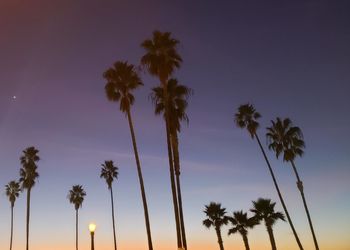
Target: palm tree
<point>122,79</point>
<point>285,138</point>
<point>109,172</point>
<point>12,192</point>
<point>247,117</point>
<point>264,210</point>
<point>76,197</point>
<point>177,102</point>
<point>28,175</point>
<point>216,218</point>
<point>161,60</point>
<point>241,223</point>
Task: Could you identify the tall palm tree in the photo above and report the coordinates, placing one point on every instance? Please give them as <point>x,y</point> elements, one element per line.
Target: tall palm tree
<point>177,102</point>
<point>12,192</point>
<point>122,79</point>
<point>161,60</point>
<point>76,197</point>
<point>109,172</point>
<point>28,175</point>
<point>264,210</point>
<point>247,117</point>
<point>285,138</point>
<point>241,223</point>
<point>216,218</point>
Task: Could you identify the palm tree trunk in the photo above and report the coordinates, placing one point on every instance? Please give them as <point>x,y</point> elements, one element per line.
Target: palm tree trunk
<point>246,243</point>
<point>301,189</point>
<point>175,144</point>
<point>28,213</point>
<point>171,166</point>
<point>272,238</point>
<point>115,240</point>
<point>139,172</point>
<point>76,229</point>
<point>11,226</point>
<point>221,243</point>
<point>173,189</point>
<point>279,194</point>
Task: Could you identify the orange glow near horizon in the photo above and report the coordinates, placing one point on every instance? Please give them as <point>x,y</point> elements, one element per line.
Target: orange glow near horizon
<point>198,246</point>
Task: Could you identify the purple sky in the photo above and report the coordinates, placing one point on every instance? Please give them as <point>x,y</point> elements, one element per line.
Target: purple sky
<point>289,58</point>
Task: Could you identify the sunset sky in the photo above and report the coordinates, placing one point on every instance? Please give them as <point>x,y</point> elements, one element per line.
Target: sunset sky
<point>288,58</point>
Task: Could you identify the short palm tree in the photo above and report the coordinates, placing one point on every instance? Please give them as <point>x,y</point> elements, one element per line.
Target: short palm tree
<point>241,223</point>
<point>264,210</point>
<point>12,192</point>
<point>177,101</point>
<point>216,218</point>
<point>122,79</point>
<point>285,138</point>
<point>28,176</point>
<point>247,117</point>
<point>161,59</point>
<point>109,172</point>
<point>76,197</point>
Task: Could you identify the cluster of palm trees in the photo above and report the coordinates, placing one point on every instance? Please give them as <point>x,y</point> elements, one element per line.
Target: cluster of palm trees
<point>161,58</point>
<point>28,176</point>
<point>263,209</point>
<point>170,99</point>
<point>76,196</point>
<point>282,138</point>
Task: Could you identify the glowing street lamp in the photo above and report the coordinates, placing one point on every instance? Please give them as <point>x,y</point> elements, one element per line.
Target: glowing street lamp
<point>92,228</point>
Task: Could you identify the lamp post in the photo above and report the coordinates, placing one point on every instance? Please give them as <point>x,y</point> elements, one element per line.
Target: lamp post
<point>92,228</point>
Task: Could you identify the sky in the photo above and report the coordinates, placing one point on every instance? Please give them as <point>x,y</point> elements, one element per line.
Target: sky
<point>288,58</point>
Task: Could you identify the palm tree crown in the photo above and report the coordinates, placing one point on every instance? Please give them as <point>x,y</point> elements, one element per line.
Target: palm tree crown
<point>264,209</point>
<point>30,155</point>
<point>109,172</point>
<point>177,102</point>
<point>161,56</point>
<point>12,191</point>
<point>216,215</point>
<point>121,80</point>
<point>241,223</point>
<point>28,172</point>
<point>284,137</point>
<point>76,196</point>
<point>246,117</point>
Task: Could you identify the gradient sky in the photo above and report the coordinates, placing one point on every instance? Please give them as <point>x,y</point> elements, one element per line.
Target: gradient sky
<point>288,58</point>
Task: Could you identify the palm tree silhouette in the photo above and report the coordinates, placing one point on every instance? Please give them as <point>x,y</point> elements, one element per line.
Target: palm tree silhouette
<point>76,197</point>
<point>122,79</point>
<point>12,192</point>
<point>109,172</point>
<point>285,138</point>
<point>247,117</point>
<point>264,210</point>
<point>241,223</point>
<point>161,60</point>
<point>28,175</point>
<point>177,102</point>
<point>216,218</point>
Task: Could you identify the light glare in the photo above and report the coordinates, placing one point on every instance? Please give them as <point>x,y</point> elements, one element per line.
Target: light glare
<point>92,227</point>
